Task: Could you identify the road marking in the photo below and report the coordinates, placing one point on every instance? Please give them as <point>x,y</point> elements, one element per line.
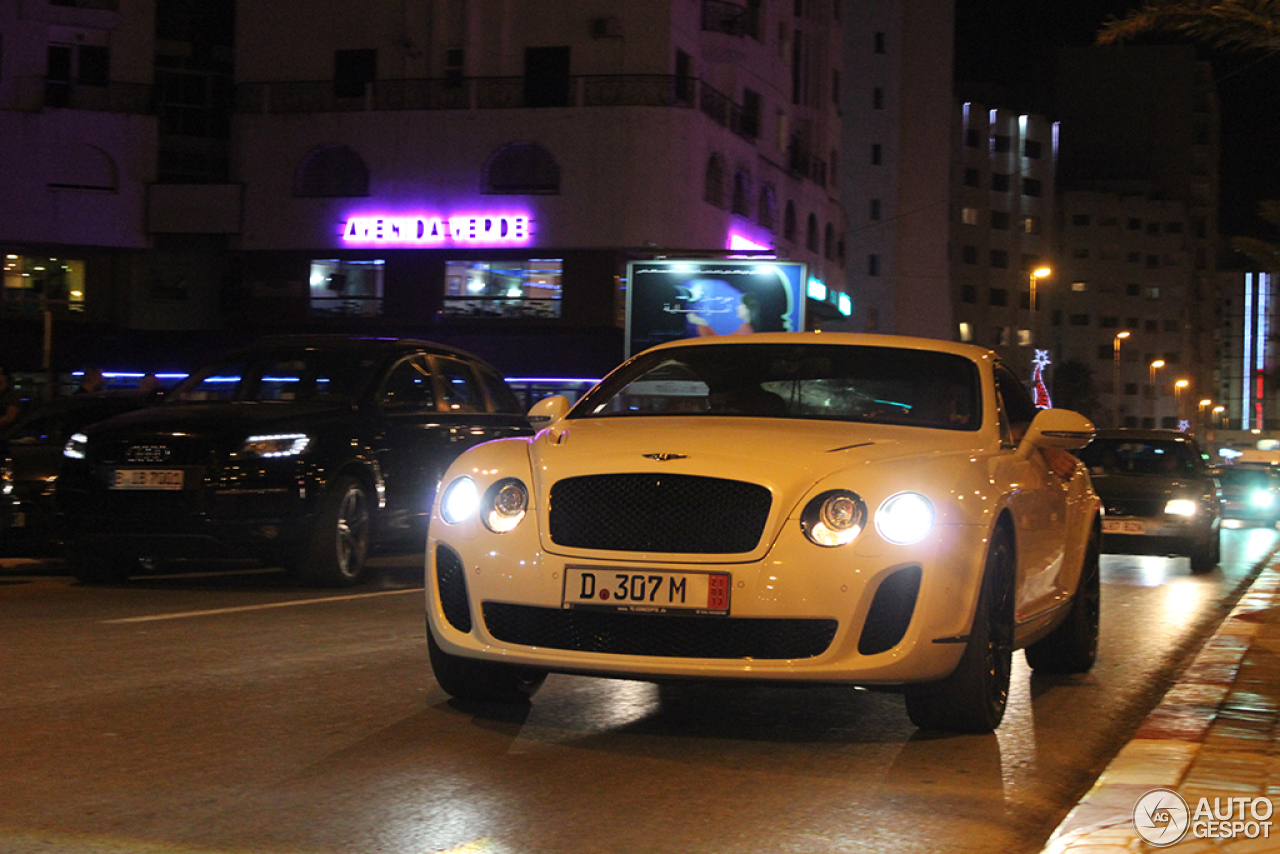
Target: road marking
<point>182,615</point>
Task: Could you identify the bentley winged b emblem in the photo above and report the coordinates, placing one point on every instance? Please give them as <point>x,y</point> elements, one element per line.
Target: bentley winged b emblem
<point>663,458</point>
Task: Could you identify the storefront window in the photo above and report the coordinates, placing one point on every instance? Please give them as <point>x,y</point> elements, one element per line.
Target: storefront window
<point>33,283</point>
<point>347,288</point>
<point>529,288</point>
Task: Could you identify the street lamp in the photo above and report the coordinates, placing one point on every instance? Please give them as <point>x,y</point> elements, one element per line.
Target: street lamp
<point>1115,379</point>
<point>1218,416</point>
<point>1177,398</point>
<point>1200,421</point>
<point>1155,397</point>
<point>1037,273</point>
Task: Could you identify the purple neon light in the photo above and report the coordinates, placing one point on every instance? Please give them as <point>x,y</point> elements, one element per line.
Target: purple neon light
<point>430,230</point>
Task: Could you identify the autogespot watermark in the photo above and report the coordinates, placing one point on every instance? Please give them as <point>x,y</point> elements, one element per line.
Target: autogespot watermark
<point>1162,817</point>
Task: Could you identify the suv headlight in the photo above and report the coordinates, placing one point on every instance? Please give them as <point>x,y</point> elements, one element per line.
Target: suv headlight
<point>278,445</point>
<point>76,446</point>
<point>1262,499</point>
<point>1181,507</point>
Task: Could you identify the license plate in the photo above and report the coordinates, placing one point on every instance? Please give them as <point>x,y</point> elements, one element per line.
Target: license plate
<point>645,591</point>
<point>147,479</point>
<point>1124,526</point>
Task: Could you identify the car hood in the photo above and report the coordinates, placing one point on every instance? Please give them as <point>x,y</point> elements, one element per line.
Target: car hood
<point>788,456</point>
<point>231,419</point>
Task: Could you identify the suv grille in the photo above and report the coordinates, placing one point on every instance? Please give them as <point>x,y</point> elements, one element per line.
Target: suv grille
<point>658,513</point>
<point>668,636</point>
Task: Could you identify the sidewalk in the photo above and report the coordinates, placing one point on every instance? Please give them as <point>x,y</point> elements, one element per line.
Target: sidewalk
<point>1214,736</point>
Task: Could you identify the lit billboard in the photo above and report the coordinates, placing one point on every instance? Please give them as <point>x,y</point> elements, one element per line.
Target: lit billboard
<point>669,300</point>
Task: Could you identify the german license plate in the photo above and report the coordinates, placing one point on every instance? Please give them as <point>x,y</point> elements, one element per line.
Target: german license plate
<point>646,591</point>
<point>1124,526</point>
<point>147,479</point>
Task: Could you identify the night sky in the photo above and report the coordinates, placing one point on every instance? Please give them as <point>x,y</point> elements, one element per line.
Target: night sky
<point>1005,47</point>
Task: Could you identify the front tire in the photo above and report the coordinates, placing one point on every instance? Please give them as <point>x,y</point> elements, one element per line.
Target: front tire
<point>973,698</point>
<point>482,681</point>
<point>1073,646</point>
<point>339,544</point>
<point>1205,556</point>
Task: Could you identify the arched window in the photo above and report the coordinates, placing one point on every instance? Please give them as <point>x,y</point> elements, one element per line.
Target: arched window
<point>714,184</point>
<point>789,221</point>
<point>829,242</point>
<point>522,168</point>
<point>811,234</point>
<point>742,193</point>
<point>332,170</point>
<point>767,216</point>
<point>85,167</point>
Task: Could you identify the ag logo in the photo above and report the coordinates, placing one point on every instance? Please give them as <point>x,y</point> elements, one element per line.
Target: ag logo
<point>1161,817</point>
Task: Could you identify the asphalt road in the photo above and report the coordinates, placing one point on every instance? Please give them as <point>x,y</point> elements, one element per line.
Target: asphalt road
<point>235,713</point>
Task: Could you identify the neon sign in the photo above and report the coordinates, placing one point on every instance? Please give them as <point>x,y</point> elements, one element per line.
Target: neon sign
<point>431,231</point>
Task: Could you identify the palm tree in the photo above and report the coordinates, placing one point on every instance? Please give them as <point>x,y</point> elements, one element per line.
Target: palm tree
<point>1228,25</point>
<point>1239,25</point>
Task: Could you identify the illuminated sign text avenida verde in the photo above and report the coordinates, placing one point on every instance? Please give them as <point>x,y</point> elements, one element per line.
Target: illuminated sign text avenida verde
<point>432,231</point>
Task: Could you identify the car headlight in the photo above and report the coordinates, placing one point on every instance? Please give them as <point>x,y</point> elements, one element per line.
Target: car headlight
<point>834,518</point>
<point>1262,499</point>
<point>904,518</point>
<point>1180,507</point>
<point>76,446</point>
<point>504,505</point>
<point>460,501</point>
<point>278,445</point>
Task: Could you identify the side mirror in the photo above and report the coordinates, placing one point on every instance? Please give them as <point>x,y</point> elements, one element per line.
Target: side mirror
<point>1058,428</point>
<point>548,411</point>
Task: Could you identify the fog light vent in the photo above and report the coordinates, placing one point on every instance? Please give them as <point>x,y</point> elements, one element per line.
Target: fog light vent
<point>451,582</point>
<point>891,611</point>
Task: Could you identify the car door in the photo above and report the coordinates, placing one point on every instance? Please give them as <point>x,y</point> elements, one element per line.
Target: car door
<point>1038,501</point>
<point>411,441</point>
<point>477,402</point>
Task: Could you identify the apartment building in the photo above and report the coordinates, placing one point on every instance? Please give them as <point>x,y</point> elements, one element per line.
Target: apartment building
<point>457,169</point>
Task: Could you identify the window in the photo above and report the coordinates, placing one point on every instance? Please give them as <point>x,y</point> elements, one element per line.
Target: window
<point>1171,326</point>
<point>972,139</point>
<point>1104,353</point>
<point>546,76</point>
<point>1078,320</point>
<point>1173,228</point>
<point>1079,287</point>
<point>1000,220</point>
<point>503,289</point>
<point>1080,252</point>
<point>873,265</point>
<point>332,171</point>
<point>1133,257</point>
<point>459,388</point>
<point>811,234</point>
<point>789,221</point>
<point>742,193</point>
<point>454,67</point>
<point>999,259</point>
<point>874,210</point>
<point>999,182</point>
<point>1153,228</point>
<point>346,288</point>
<point>1151,326</point>
<point>1132,289</point>
<point>1153,261</point>
<point>876,154</point>
<point>1031,187</point>
<point>1031,225</point>
<point>1109,322</point>
<point>829,243</point>
<point>1080,219</point>
<point>971,177</point>
<point>1031,149</point>
<point>1153,293</point>
<point>408,387</point>
<point>1133,224</point>
<point>966,333</point>
<point>877,98</point>
<point>997,296</point>
<point>767,216</point>
<point>879,43</point>
<point>713,182</point>
<point>522,168</point>
<point>33,283</point>
<point>969,254</point>
<point>1000,142</point>
<point>968,294</point>
<point>969,215</point>
<point>353,70</point>
<point>749,120</point>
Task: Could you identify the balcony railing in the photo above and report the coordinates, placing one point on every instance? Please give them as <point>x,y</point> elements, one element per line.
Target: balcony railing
<point>33,94</point>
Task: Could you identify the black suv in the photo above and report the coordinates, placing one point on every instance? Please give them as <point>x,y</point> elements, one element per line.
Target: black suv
<point>301,451</point>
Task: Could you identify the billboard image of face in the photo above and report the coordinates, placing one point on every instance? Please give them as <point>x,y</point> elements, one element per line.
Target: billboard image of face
<point>668,300</point>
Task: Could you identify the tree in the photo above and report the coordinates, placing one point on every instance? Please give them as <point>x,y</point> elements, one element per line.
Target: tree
<point>1236,25</point>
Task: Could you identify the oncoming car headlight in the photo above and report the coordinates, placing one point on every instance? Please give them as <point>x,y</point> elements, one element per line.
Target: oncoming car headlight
<point>834,518</point>
<point>460,501</point>
<point>504,505</point>
<point>904,518</point>
<point>1180,507</point>
<point>1262,499</point>
<point>279,445</point>
<point>76,446</point>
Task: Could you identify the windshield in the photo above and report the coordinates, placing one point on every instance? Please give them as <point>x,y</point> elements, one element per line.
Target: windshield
<point>1248,478</point>
<point>918,388</point>
<point>1139,457</point>
<point>313,375</point>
